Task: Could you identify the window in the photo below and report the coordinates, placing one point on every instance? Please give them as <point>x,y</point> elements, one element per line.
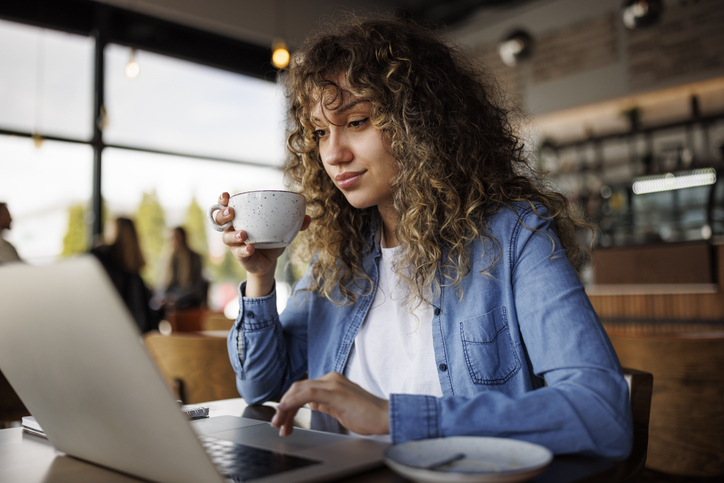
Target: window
<point>179,134</point>
<point>46,81</point>
<point>48,191</point>
<point>182,107</point>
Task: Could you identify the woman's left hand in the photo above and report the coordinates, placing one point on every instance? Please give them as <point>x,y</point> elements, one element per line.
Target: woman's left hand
<point>334,394</point>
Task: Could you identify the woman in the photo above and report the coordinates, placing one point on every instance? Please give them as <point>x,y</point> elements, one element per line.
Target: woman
<point>442,293</point>
<point>123,260</point>
<point>185,285</point>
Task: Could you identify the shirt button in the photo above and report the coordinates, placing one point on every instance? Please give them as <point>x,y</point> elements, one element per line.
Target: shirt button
<point>442,367</point>
<point>250,315</point>
<point>437,311</point>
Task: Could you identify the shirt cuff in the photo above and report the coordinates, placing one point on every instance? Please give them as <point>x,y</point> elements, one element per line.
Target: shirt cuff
<point>413,417</point>
<point>257,312</point>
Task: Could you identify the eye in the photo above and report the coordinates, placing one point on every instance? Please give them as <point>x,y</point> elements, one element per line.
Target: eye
<point>359,123</point>
<point>319,134</point>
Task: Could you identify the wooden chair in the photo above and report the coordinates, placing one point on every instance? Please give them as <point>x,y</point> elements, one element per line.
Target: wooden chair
<point>217,321</point>
<point>186,320</point>
<point>195,366</point>
<point>640,385</point>
<point>686,431</point>
<point>12,408</point>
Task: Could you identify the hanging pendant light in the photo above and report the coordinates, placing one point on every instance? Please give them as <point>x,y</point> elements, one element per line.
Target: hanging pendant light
<point>132,67</point>
<point>280,54</point>
<point>37,139</point>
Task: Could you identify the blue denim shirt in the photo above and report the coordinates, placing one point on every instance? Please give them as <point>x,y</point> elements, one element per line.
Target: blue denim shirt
<point>520,355</point>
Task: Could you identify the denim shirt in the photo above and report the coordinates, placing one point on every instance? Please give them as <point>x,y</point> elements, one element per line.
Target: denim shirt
<point>519,350</point>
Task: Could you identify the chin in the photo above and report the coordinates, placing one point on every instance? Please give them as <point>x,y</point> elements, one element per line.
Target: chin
<point>359,204</point>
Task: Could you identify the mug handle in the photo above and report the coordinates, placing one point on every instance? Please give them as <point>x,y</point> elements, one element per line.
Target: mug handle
<point>214,224</point>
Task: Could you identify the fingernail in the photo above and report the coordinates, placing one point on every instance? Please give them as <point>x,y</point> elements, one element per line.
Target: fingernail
<point>238,235</point>
<point>226,212</point>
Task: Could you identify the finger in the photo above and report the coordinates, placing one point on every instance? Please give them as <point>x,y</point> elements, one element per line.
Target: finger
<point>243,252</point>
<point>288,427</point>
<point>323,408</point>
<point>312,391</point>
<point>284,420</point>
<point>305,224</point>
<point>295,397</point>
<point>234,238</point>
<point>224,198</point>
<point>222,216</point>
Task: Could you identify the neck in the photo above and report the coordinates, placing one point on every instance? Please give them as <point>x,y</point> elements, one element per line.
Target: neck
<point>390,220</point>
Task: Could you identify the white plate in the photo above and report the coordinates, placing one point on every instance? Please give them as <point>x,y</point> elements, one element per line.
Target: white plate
<point>488,460</point>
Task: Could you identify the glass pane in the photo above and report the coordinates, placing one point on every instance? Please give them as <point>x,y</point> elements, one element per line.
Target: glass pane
<point>160,192</point>
<point>46,81</point>
<point>182,107</point>
<point>48,191</point>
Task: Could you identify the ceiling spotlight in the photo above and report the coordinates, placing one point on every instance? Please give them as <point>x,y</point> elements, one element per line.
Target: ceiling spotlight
<point>515,47</point>
<point>641,13</point>
<point>280,54</point>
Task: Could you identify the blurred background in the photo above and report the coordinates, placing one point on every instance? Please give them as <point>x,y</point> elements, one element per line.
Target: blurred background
<point>151,108</point>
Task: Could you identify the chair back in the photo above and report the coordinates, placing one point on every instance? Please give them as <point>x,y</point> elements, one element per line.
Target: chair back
<point>196,366</point>
<point>186,320</point>
<point>686,431</point>
<point>217,321</point>
<point>640,386</point>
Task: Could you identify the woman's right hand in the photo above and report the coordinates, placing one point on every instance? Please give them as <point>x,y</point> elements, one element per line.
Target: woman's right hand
<point>259,264</point>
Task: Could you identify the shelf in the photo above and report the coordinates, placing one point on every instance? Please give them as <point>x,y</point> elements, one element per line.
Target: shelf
<point>647,130</point>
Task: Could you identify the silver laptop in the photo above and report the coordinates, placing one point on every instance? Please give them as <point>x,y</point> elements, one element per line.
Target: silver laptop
<point>73,353</point>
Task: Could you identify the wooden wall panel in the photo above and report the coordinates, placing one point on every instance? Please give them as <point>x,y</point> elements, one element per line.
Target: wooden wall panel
<point>672,263</point>
<point>687,302</point>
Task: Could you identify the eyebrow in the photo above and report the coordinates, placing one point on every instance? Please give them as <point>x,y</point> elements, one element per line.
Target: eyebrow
<point>346,107</point>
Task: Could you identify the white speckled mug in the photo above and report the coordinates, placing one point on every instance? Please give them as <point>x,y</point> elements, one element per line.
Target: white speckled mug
<point>271,219</point>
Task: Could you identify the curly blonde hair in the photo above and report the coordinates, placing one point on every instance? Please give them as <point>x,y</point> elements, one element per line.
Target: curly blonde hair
<point>458,157</point>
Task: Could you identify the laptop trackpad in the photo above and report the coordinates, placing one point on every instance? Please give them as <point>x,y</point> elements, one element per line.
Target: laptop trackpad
<point>212,426</point>
<point>260,433</point>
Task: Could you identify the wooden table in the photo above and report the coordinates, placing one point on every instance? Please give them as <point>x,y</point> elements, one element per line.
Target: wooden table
<point>31,459</point>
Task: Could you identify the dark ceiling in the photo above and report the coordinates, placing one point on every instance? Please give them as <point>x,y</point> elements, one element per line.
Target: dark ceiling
<point>448,13</point>
<point>116,25</point>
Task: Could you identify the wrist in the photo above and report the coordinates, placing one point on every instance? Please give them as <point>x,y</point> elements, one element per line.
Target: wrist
<point>259,285</point>
<point>384,422</point>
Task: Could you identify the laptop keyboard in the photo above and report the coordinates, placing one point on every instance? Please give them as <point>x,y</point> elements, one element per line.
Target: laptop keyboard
<point>242,463</point>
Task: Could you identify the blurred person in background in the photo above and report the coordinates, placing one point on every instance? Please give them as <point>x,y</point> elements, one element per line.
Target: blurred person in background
<point>123,260</point>
<point>185,286</point>
<point>8,253</point>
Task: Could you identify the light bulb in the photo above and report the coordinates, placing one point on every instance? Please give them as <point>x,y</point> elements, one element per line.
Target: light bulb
<point>280,54</point>
<point>132,67</point>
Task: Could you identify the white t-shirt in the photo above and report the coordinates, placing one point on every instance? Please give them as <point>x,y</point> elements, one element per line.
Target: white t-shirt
<point>393,352</point>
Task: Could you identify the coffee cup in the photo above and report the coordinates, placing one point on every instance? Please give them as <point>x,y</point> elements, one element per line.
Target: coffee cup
<point>271,219</point>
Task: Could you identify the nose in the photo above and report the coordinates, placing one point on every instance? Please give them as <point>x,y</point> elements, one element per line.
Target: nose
<point>336,150</point>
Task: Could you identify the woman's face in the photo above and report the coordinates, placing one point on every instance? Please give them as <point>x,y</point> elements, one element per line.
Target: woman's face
<point>354,153</point>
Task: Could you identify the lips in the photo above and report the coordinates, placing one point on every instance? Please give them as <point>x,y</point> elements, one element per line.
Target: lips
<point>347,179</point>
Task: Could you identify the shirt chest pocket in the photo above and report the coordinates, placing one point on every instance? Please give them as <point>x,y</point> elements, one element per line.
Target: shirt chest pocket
<point>488,348</point>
